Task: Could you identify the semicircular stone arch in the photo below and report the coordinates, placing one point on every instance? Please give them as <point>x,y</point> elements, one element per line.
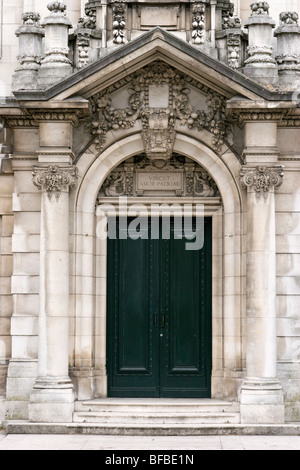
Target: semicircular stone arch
<point>90,264</point>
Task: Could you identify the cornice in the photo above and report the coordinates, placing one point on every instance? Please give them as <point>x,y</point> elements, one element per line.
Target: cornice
<point>34,116</point>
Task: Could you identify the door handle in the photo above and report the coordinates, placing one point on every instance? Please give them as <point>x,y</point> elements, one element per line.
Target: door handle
<point>163,320</point>
<point>156,320</point>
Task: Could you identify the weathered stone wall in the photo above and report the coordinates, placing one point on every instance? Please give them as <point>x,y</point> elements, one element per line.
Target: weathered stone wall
<point>6,269</point>
<point>288,272</point>
<point>22,370</point>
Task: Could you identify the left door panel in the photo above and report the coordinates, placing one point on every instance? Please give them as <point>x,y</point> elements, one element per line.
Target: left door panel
<point>133,368</point>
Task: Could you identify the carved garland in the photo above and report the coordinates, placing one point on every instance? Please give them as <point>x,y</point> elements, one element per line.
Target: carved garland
<point>54,179</point>
<point>106,117</point>
<point>198,23</point>
<point>262,179</point>
<point>119,21</point>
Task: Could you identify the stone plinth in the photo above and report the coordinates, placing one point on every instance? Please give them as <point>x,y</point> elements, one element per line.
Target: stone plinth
<point>261,66</point>
<point>288,59</point>
<point>30,36</point>
<point>56,65</point>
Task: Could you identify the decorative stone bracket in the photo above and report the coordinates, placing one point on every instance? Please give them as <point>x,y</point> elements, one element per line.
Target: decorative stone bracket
<point>55,179</point>
<point>262,179</point>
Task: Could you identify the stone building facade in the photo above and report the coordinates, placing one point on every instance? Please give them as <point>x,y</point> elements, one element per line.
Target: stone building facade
<point>183,104</point>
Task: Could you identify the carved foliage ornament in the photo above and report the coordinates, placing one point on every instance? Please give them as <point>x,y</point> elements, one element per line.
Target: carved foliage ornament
<point>57,7</point>
<point>262,179</point>
<point>260,8</point>
<point>257,115</point>
<point>55,179</point>
<point>289,18</point>
<point>229,19</point>
<point>88,21</point>
<point>31,18</point>
<point>163,120</point>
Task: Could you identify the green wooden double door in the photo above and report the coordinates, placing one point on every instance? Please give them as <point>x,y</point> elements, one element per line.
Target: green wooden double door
<point>159,323</point>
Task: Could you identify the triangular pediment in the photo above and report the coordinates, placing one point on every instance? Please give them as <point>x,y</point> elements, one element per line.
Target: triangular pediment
<point>162,99</point>
<point>155,45</point>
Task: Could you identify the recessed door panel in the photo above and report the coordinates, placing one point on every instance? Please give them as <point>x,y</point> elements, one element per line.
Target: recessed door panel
<point>159,317</point>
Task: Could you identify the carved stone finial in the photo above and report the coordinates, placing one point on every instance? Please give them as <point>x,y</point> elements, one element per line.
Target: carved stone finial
<point>30,35</point>
<point>56,65</point>
<point>57,7</point>
<point>260,8</point>
<point>31,18</point>
<point>289,18</point>
<point>55,179</point>
<point>262,179</point>
<point>288,48</point>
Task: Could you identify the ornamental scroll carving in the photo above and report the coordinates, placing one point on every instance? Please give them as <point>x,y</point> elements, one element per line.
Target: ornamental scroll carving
<point>181,176</point>
<point>262,179</point>
<point>55,179</point>
<point>159,115</point>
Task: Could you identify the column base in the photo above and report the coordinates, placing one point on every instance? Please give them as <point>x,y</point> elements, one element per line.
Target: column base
<point>52,401</point>
<point>262,401</point>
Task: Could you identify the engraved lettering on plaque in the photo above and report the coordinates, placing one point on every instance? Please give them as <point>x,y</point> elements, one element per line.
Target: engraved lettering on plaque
<point>158,181</point>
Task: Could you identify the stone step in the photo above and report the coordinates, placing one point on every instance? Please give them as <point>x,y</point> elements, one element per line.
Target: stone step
<point>24,427</point>
<point>155,412</point>
<point>156,418</point>
<point>168,406</point>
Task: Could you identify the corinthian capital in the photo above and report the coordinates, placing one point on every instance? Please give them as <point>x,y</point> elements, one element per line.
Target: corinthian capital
<point>262,179</point>
<point>55,179</point>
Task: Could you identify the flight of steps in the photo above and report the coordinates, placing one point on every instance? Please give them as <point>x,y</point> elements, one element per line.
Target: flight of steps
<point>156,414</point>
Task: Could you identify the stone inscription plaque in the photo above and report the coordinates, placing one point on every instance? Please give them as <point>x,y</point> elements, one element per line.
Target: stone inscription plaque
<point>159,16</point>
<point>159,181</point>
<point>158,96</point>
